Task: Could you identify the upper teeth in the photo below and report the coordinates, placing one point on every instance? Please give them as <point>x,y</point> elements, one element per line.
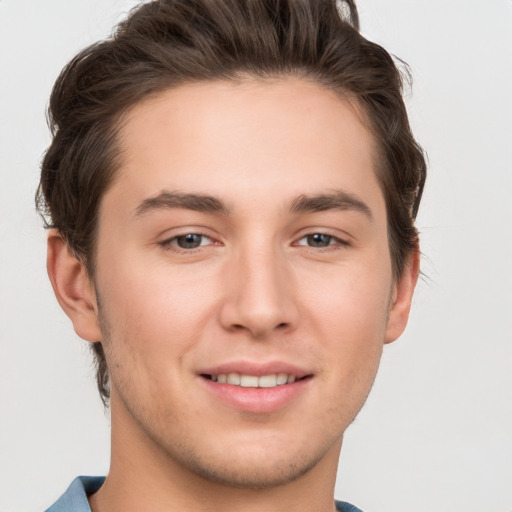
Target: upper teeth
<point>253,381</point>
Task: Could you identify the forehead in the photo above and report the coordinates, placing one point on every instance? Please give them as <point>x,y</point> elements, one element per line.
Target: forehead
<point>261,139</point>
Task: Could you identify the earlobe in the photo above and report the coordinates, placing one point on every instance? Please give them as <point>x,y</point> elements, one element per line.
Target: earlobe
<point>72,287</point>
<point>402,297</point>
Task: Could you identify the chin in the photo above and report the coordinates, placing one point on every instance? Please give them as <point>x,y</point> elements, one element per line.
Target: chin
<point>251,472</point>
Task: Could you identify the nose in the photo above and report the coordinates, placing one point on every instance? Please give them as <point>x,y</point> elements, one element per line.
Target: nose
<point>259,295</point>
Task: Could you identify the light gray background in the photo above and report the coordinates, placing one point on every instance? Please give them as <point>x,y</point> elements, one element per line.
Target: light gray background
<point>436,434</point>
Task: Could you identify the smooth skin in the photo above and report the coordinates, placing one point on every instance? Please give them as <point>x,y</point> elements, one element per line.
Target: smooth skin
<point>267,279</point>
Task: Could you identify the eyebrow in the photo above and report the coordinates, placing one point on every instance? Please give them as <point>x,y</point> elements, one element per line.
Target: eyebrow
<point>196,202</point>
<point>337,200</point>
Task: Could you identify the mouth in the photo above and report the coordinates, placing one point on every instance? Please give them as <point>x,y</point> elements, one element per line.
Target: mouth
<point>271,380</point>
<point>260,388</point>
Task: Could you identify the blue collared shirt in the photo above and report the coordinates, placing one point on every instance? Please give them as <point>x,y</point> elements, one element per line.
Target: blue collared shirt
<point>75,498</point>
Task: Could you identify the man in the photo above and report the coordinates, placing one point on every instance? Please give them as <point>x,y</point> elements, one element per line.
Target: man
<point>231,191</point>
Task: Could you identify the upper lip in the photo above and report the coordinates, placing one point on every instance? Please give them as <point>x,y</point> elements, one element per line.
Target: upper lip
<point>256,369</point>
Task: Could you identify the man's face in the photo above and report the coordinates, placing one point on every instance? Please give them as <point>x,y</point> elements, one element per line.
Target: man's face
<point>244,239</point>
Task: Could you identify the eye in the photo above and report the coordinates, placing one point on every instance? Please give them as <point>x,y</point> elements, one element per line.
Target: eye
<point>320,240</point>
<point>188,241</point>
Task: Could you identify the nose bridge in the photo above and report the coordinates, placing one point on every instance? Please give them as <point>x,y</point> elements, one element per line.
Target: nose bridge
<point>260,276</point>
<point>260,297</point>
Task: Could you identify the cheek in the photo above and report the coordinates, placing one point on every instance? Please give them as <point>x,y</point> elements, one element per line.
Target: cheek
<point>154,310</point>
<point>349,314</point>
<point>351,299</point>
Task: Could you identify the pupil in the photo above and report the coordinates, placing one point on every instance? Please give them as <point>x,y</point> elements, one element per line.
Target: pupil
<point>319,240</point>
<point>189,241</point>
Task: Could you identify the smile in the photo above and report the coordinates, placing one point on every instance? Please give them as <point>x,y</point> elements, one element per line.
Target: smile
<point>253,381</point>
<point>256,388</point>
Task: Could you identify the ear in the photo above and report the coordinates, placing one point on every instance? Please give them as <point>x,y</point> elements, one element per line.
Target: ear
<point>72,287</point>
<point>401,297</point>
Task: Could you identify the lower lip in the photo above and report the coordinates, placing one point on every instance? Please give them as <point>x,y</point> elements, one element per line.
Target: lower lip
<point>257,400</point>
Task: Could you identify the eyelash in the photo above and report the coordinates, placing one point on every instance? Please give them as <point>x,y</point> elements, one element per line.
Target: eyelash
<point>171,243</point>
<point>338,242</point>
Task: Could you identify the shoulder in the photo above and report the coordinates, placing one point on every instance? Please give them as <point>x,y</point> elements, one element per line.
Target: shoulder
<point>75,498</point>
<point>343,506</point>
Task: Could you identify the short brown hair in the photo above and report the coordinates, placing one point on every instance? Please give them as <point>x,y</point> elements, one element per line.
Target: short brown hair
<point>165,43</point>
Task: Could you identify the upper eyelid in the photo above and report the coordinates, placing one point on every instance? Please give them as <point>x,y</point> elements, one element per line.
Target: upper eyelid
<point>173,233</point>
<point>336,233</point>
<point>175,237</point>
<point>170,244</point>
<point>338,239</point>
